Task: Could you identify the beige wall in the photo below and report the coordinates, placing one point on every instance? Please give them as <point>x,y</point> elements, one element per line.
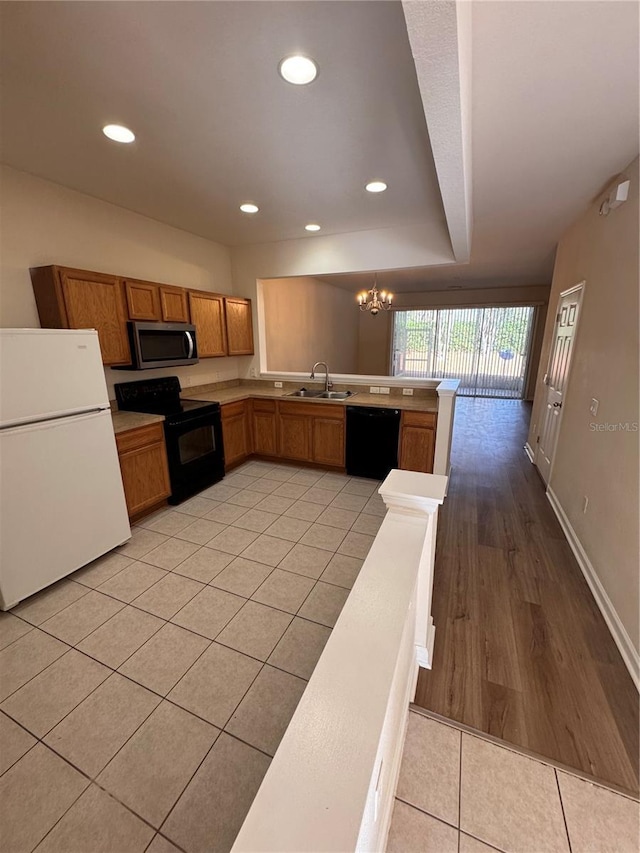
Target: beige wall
<point>603,251</point>
<point>307,320</point>
<point>374,343</point>
<point>45,223</point>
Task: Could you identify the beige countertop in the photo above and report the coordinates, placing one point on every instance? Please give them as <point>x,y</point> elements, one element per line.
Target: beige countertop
<point>124,421</point>
<point>360,398</point>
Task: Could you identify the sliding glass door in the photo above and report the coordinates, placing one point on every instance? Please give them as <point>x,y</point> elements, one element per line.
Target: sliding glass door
<point>486,348</point>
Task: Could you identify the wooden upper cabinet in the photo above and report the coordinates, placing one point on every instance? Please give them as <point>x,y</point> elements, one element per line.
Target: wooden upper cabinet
<point>78,299</point>
<point>239,325</point>
<point>207,315</point>
<point>143,300</point>
<point>173,304</point>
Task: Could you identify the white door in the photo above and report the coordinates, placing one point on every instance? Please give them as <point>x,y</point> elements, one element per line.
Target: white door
<point>557,376</point>
<point>61,501</point>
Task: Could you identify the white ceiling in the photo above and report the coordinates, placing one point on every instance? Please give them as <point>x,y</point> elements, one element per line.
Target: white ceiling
<point>553,94</point>
<point>215,123</point>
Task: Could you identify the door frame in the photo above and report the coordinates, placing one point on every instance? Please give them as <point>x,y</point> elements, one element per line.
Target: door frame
<point>577,288</point>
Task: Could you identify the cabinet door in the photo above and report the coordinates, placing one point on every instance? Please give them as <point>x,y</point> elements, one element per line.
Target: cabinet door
<point>265,439</point>
<point>143,301</point>
<point>95,301</point>
<point>173,304</point>
<point>416,449</point>
<point>239,325</point>
<point>234,433</point>
<point>295,437</point>
<point>328,441</point>
<point>207,314</point>
<point>143,464</point>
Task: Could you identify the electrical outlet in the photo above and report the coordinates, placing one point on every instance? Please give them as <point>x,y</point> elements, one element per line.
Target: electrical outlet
<point>373,389</point>
<point>252,372</point>
<point>585,503</point>
<point>277,384</point>
<point>407,392</point>
<point>593,408</point>
<point>384,390</point>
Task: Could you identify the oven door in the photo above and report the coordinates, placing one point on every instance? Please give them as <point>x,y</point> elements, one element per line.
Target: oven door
<point>195,453</point>
<point>163,344</point>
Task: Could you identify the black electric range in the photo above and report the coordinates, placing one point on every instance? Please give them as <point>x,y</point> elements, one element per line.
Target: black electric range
<point>192,428</point>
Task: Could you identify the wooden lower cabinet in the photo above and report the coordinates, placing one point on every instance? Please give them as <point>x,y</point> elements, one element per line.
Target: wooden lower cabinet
<point>264,427</point>
<point>311,432</point>
<point>294,432</point>
<point>417,441</point>
<point>328,440</point>
<point>143,463</point>
<point>235,433</point>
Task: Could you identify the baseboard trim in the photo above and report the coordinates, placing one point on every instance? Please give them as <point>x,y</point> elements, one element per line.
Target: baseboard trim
<point>619,633</point>
<point>529,452</point>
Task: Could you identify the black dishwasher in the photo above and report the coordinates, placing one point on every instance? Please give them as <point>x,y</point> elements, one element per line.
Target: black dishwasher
<point>372,441</point>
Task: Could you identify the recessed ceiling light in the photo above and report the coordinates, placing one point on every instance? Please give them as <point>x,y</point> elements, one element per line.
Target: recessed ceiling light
<point>312,226</point>
<point>118,133</point>
<point>249,207</point>
<point>298,70</point>
<point>376,187</point>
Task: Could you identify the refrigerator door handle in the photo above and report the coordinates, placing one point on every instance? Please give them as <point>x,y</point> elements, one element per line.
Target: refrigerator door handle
<point>190,339</point>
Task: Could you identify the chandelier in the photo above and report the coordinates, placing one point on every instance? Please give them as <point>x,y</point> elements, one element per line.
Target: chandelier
<point>374,301</point>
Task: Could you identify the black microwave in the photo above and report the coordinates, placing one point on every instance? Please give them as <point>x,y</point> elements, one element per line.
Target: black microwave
<point>162,345</point>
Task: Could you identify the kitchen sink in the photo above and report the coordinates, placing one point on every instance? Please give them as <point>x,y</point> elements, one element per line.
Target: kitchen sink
<point>322,395</point>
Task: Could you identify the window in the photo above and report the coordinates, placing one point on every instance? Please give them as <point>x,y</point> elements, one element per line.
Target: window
<point>486,348</point>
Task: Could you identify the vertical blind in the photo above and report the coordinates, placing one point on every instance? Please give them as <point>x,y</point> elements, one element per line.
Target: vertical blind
<point>486,348</point>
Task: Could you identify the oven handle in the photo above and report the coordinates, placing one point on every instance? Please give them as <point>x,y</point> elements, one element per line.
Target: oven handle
<point>209,419</point>
<point>190,339</point>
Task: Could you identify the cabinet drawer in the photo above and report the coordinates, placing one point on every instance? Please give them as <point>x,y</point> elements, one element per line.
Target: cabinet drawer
<point>419,419</point>
<point>264,406</point>
<point>139,437</point>
<point>313,410</point>
<point>232,410</point>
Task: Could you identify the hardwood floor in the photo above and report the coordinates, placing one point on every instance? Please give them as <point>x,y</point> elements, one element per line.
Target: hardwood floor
<point>521,651</point>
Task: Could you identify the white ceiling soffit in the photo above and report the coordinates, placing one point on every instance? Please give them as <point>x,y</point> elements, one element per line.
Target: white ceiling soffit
<point>440,38</point>
<point>555,119</point>
<point>215,124</point>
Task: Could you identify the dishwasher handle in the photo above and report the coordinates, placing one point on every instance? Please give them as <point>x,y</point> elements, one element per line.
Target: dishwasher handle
<point>363,412</point>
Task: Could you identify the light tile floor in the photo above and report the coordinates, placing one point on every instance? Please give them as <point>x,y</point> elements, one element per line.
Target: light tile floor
<point>142,698</point>
<point>462,793</point>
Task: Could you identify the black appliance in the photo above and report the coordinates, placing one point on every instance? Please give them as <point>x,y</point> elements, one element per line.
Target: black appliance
<point>372,441</point>
<point>192,430</point>
<point>161,345</point>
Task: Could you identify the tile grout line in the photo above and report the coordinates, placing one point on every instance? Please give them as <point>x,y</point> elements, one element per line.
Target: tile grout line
<point>564,817</point>
<point>161,698</point>
<point>522,751</point>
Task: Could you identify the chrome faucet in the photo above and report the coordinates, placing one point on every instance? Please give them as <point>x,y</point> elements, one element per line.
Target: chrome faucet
<point>328,384</point>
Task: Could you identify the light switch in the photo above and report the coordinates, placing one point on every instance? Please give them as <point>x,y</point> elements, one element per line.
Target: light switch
<point>594,406</point>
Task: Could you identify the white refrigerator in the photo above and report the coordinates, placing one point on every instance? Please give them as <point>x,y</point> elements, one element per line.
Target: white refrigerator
<point>62,503</point>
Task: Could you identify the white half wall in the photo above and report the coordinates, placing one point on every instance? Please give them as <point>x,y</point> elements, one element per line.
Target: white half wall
<point>45,223</point>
